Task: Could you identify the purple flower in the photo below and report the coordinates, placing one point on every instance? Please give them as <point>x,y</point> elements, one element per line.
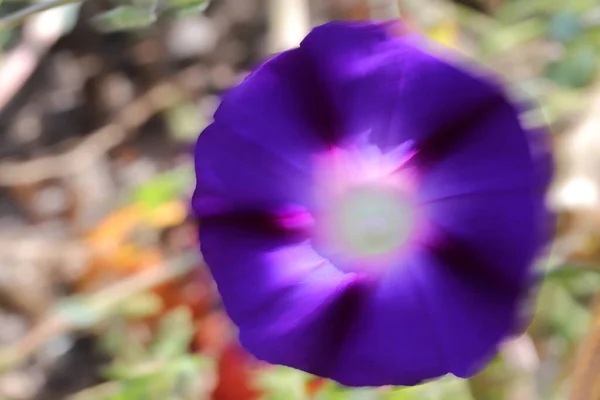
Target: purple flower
<point>370,212</point>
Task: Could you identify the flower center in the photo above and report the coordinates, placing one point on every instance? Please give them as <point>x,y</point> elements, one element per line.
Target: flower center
<point>364,213</point>
<point>371,221</point>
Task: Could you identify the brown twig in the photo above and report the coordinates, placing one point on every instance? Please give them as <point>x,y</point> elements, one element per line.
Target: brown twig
<point>584,382</point>
<point>97,144</point>
<point>39,34</point>
<point>98,305</point>
<point>22,15</point>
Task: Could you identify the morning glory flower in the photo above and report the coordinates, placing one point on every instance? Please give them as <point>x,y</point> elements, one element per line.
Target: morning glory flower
<point>370,209</point>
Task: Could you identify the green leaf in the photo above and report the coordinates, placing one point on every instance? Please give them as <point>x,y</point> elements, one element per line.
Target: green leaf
<point>188,370</point>
<point>184,121</point>
<point>577,69</point>
<point>125,17</point>
<point>77,312</point>
<point>447,388</point>
<point>164,187</point>
<point>564,26</point>
<point>143,305</point>
<point>578,280</point>
<point>125,348</point>
<point>174,335</point>
<point>513,11</point>
<point>187,7</point>
<point>510,36</point>
<point>283,383</point>
<point>569,319</point>
<point>569,271</point>
<point>491,383</point>
<point>70,16</point>
<point>114,338</point>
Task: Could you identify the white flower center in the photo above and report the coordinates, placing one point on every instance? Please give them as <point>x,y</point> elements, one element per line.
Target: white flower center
<point>365,210</point>
<point>370,221</point>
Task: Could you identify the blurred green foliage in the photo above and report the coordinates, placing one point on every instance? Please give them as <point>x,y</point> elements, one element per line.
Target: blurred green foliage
<point>126,15</point>
<point>142,13</point>
<point>163,188</point>
<point>162,367</point>
<point>569,33</point>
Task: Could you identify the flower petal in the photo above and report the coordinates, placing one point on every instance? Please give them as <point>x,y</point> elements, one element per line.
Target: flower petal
<point>450,299</point>
<point>490,152</point>
<point>290,304</point>
<point>391,86</point>
<point>472,315</point>
<point>236,174</point>
<point>425,319</point>
<point>501,232</point>
<point>258,153</point>
<point>280,107</point>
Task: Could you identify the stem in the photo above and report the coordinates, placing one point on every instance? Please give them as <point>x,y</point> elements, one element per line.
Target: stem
<point>18,17</point>
<point>570,269</point>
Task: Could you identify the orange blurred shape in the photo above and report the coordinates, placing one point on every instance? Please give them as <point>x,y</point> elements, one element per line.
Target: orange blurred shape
<point>314,386</point>
<point>190,291</point>
<point>167,214</point>
<point>113,254</point>
<point>131,259</point>
<point>123,261</point>
<point>213,333</point>
<point>114,229</point>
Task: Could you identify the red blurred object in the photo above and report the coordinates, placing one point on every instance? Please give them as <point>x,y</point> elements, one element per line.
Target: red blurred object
<point>314,385</point>
<point>236,375</point>
<point>192,290</point>
<point>213,334</point>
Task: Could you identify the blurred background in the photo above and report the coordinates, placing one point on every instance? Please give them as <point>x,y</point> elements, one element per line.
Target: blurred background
<point>103,293</point>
